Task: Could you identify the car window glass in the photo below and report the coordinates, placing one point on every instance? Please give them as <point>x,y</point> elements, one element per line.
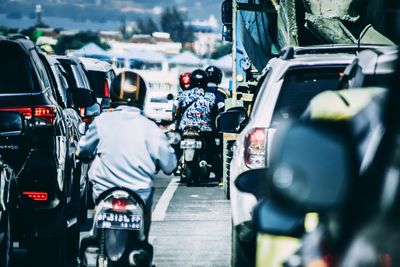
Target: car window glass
<point>300,86</point>
<point>80,81</point>
<point>97,79</point>
<point>14,76</point>
<point>43,78</point>
<point>63,85</point>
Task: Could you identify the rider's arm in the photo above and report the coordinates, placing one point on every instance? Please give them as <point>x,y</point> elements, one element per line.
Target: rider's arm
<point>88,143</point>
<point>160,150</point>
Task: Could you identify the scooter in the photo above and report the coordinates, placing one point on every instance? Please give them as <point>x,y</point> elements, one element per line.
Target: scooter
<point>193,160</point>
<point>117,237</point>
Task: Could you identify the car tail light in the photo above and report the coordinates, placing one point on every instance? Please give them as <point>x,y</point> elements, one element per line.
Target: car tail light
<point>106,89</point>
<point>37,196</point>
<point>119,204</point>
<point>44,114</point>
<point>255,148</point>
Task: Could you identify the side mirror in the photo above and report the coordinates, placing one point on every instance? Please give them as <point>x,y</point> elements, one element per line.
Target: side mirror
<point>232,120</point>
<point>82,97</point>
<point>170,97</point>
<point>226,15</point>
<point>226,12</point>
<point>106,103</point>
<point>11,123</point>
<point>93,111</point>
<point>270,218</point>
<point>254,182</point>
<point>313,164</point>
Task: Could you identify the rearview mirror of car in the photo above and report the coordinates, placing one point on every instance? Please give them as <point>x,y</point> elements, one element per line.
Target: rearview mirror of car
<point>93,111</point>
<point>231,121</point>
<point>82,97</point>
<point>253,182</point>
<point>273,219</point>
<point>11,123</point>
<point>313,164</point>
<point>106,103</point>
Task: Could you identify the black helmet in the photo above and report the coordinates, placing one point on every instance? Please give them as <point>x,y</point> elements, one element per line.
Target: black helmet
<point>128,88</point>
<point>214,74</point>
<point>199,78</point>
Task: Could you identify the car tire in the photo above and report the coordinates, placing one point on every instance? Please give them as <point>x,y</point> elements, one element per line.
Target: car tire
<point>243,253</point>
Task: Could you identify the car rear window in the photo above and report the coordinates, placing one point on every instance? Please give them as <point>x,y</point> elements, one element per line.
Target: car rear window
<point>97,82</point>
<point>300,86</point>
<point>14,77</point>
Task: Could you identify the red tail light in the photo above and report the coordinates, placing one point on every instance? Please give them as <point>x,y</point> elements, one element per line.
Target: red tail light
<point>37,196</point>
<point>46,114</point>
<point>106,89</point>
<point>119,204</point>
<point>255,148</point>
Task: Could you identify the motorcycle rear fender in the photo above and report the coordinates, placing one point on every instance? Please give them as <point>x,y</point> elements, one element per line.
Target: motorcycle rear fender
<point>188,154</point>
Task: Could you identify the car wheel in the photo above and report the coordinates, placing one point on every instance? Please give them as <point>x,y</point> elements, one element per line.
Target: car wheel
<point>243,253</point>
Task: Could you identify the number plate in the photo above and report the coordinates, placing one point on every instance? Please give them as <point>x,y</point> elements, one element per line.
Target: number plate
<point>190,143</point>
<point>118,221</point>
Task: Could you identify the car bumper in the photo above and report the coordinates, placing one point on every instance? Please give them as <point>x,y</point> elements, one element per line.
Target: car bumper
<point>242,204</point>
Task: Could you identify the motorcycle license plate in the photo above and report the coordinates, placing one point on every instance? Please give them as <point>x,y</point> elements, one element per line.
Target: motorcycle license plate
<point>190,143</point>
<point>118,221</point>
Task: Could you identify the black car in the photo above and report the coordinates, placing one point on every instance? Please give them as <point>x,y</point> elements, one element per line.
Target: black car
<point>60,78</point>
<point>101,75</point>
<point>45,216</point>
<point>77,75</point>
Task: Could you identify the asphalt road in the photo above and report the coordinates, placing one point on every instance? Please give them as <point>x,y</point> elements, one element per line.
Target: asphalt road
<point>191,226</point>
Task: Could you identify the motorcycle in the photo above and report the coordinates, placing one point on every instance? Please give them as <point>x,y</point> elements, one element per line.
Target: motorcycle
<point>194,167</point>
<point>118,236</point>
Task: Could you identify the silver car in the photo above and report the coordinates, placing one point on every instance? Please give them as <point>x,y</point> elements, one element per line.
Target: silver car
<point>290,82</point>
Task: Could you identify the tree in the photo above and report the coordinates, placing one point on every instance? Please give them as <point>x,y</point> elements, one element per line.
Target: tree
<point>147,26</point>
<point>173,22</point>
<point>77,41</point>
<point>222,50</point>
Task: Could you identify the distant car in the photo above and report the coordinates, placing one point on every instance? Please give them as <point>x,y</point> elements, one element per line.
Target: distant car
<point>290,83</point>
<point>100,75</point>
<point>160,106</point>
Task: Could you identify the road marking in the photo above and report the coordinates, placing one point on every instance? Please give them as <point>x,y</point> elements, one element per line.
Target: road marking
<point>162,205</point>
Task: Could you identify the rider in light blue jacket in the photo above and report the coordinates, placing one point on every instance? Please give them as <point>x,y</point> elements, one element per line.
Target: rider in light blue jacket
<point>127,147</point>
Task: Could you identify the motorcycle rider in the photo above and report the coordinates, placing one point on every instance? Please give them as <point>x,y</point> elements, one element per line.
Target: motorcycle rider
<point>199,108</point>
<point>214,79</point>
<point>128,148</point>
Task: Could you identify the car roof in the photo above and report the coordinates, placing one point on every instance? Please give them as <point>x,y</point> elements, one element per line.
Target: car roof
<point>25,43</point>
<point>92,64</point>
<point>70,59</point>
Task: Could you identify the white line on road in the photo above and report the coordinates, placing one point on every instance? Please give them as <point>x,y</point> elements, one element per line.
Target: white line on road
<point>162,204</point>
